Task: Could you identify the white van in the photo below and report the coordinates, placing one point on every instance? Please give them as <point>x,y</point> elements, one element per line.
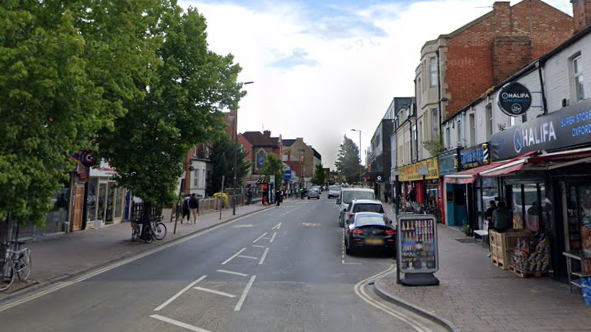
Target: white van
<point>349,194</point>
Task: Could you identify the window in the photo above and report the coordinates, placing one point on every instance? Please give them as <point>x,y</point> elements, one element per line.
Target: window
<point>434,123</point>
<point>433,72</point>
<point>472,128</point>
<point>448,137</point>
<point>196,178</point>
<point>577,70</point>
<point>488,121</point>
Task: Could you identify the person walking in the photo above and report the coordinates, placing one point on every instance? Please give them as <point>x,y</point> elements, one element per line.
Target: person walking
<point>488,217</point>
<point>249,196</point>
<point>194,207</point>
<point>278,197</point>
<point>186,209</point>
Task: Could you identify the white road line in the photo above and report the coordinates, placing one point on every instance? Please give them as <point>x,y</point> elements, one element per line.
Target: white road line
<point>231,258</point>
<point>234,273</point>
<point>244,293</point>
<point>179,324</point>
<point>258,246</point>
<point>273,237</point>
<point>248,257</point>
<point>264,255</point>
<point>288,212</point>
<point>175,296</point>
<point>260,237</point>
<point>213,291</point>
<point>277,226</point>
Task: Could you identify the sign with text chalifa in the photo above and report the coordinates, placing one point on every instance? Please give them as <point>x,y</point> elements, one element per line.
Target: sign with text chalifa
<point>514,99</point>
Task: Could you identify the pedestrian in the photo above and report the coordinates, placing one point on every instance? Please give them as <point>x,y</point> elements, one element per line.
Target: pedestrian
<point>194,207</point>
<point>249,196</point>
<point>502,218</point>
<point>488,217</point>
<point>186,209</point>
<point>278,197</point>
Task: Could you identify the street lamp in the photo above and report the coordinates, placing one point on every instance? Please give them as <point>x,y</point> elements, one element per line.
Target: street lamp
<point>360,160</point>
<point>236,154</point>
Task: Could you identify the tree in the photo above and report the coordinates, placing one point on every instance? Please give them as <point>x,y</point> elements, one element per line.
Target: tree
<point>274,166</point>
<point>65,72</point>
<point>222,159</point>
<point>348,162</point>
<point>319,175</point>
<point>149,145</point>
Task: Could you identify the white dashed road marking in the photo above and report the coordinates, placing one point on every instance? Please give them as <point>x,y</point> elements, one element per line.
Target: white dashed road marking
<point>260,237</point>
<point>244,293</point>
<point>234,273</point>
<point>175,296</point>
<point>235,255</point>
<point>179,324</point>
<point>264,255</point>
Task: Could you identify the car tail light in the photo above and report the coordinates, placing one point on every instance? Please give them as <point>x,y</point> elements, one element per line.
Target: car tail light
<point>390,232</point>
<point>350,216</point>
<point>356,231</point>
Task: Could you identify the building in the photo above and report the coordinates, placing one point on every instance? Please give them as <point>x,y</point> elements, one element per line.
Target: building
<point>302,160</point>
<point>258,146</point>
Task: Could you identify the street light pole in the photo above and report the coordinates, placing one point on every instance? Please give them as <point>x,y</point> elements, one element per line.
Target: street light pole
<point>236,155</point>
<point>360,157</point>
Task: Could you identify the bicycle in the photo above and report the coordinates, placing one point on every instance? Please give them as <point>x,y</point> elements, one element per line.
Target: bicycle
<point>154,229</point>
<point>17,262</point>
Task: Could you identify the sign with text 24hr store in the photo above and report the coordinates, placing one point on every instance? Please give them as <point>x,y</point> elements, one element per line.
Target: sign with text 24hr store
<point>569,126</point>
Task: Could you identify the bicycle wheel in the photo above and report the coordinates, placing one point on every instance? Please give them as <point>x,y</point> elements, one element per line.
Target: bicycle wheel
<point>25,263</point>
<point>7,276</point>
<point>159,231</point>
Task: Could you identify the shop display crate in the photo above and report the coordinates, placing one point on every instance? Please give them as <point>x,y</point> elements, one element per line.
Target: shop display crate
<point>500,243</point>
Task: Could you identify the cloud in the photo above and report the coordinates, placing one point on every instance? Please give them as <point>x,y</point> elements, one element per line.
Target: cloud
<point>321,68</point>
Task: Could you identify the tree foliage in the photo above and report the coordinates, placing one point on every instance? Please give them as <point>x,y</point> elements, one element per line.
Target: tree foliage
<point>319,175</point>
<point>435,147</point>
<point>149,145</point>
<point>274,166</point>
<point>348,163</point>
<point>222,159</point>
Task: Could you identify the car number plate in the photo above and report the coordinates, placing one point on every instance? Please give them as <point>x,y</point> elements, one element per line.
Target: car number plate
<point>374,241</point>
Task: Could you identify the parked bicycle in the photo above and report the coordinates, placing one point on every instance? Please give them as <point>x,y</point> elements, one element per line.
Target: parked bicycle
<point>154,229</point>
<point>16,263</point>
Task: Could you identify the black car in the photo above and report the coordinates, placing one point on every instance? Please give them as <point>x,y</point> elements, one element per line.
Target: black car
<point>372,231</point>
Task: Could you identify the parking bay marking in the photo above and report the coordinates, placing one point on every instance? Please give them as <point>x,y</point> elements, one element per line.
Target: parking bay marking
<point>244,293</point>
<point>248,257</point>
<point>175,296</point>
<point>235,255</point>
<point>260,237</point>
<point>179,324</point>
<point>234,273</point>
<point>264,255</point>
<point>213,291</point>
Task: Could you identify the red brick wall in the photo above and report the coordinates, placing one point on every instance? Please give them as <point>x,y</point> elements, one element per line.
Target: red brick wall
<point>489,51</point>
<point>581,13</point>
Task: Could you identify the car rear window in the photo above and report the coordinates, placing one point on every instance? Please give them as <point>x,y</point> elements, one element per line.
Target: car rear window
<point>368,207</point>
<point>334,188</point>
<point>370,220</point>
<point>348,196</point>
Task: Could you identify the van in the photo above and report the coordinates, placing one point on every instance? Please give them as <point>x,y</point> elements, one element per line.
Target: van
<point>349,194</point>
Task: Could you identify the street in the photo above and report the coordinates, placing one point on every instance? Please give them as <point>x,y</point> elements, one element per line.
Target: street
<point>281,269</point>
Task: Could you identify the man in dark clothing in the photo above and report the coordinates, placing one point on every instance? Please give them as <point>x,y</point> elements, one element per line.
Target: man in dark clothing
<point>489,212</point>
<point>194,207</point>
<point>502,218</point>
<point>249,196</point>
<point>278,197</point>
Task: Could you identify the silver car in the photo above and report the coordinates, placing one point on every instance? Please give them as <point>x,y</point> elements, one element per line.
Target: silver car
<point>334,191</point>
<point>313,193</point>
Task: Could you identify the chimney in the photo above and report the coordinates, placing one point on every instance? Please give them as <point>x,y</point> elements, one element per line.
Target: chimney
<point>267,133</point>
<point>502,17</point>
<point>581,14</point>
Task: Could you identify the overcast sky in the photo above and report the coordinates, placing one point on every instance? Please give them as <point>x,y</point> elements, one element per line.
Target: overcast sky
<point>323,67</point>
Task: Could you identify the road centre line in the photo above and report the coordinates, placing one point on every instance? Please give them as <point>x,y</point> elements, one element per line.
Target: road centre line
<point>264,255</point>
<point>175,296</point>
<point>258,246</point>
<point>213,291</point>
<point>248,257</point>
<point>179,324</point>
<point>231,258</point>
<point>234,273</point>
<point>288,212</point>
<point>273,237</point>
<point>260,237</point>
<point>277,226</point>
<point>244,293</point>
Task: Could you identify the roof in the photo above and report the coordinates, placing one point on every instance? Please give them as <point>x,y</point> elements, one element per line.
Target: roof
<point>256,138</point>
<point>288,142</point>
<point>366,201</point>
<point>316,154</point>
<point>357,189</point>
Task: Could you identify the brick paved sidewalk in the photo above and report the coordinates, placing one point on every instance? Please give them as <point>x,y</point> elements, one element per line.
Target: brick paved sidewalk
<point>477,296</point>
<point>62,256</point>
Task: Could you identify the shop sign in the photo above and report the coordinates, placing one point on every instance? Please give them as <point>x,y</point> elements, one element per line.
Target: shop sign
<point>104,170</point>
<point>569,126</point>
<point>514,99</point>
<point>446,163</point>
<point>412,172</point>
<point>471,157</point>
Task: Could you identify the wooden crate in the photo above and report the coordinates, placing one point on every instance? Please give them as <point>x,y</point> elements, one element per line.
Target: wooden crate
<point>501,242</point>
<point>529,274</point>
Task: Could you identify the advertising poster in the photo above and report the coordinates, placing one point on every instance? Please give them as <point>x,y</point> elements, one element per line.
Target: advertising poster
<point>417,244</point>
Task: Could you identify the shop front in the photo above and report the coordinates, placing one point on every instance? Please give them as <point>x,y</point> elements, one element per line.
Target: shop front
<point>421,182</point>
<point>448,164</point>
<point>547,185</point>
<point>105,202</point>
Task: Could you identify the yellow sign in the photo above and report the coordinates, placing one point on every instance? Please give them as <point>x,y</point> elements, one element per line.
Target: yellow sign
<point>414,172</point>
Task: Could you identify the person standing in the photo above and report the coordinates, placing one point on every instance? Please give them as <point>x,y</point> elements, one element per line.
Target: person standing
<point>186,209</point>
<point>249,196</point>
<point>278,197</point>
<point>194,207</point>
<point>502,218</point>
<point>488,217</point>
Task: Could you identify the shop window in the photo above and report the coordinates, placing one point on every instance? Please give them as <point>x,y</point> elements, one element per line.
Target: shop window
<point>577,78</point>
<point>531,209</point>
<point>119,202</point>
<point>101,201</point>
<point>91,202</point>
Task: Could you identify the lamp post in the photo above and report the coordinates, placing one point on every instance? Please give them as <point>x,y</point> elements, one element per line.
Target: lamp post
<point>360,160</point>
<point>236,155</point>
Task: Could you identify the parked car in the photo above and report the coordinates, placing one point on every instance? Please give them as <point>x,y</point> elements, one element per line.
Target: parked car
<point>313,193</point>
<point>370,230</point>
<point>334,191</point>
<point>347,196</point>
<point>363,205</point>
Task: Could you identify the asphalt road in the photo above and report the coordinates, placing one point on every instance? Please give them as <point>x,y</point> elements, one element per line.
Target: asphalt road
<point>282,269</point>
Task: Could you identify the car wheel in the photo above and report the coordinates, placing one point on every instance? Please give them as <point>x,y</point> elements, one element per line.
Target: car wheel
<point>341,223</point>
<point>348,250</point>
<point>308,197</point>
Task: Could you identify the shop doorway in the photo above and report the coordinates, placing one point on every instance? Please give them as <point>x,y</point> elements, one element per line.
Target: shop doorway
<point>78,205</point>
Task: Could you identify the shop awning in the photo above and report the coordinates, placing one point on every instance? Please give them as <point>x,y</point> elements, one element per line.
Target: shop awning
<point>534,161</point>
<point>469,175</point>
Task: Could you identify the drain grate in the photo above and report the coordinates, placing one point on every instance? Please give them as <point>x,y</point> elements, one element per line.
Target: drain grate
<point>469,240</point>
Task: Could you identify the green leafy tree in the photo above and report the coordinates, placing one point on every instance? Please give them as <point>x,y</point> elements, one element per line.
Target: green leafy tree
<point>149,145</point>
<point>222,159</point>
<point>274,166</point>
<point>66,69</point>
<point>319,175</point>
<point>348,163</point>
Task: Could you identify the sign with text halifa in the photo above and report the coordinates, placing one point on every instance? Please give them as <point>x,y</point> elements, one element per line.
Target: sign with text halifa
<point>514,99</point>
<point>569,126</point>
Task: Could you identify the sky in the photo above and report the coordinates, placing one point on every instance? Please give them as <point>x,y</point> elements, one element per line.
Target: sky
<point>323,67</point>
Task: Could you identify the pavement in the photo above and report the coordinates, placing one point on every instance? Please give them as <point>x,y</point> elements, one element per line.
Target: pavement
<point>476,296</point>
<point>63,256</point>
